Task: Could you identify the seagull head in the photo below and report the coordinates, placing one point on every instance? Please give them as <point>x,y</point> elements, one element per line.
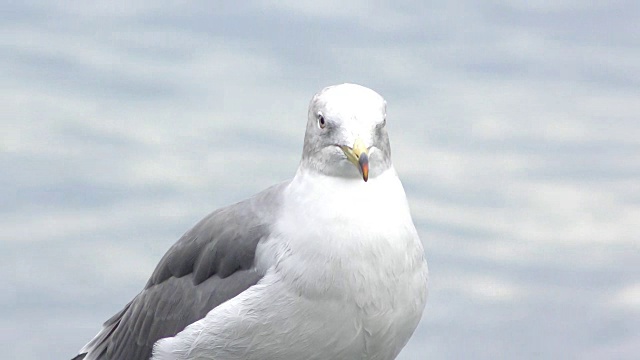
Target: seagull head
<point>346,133</point>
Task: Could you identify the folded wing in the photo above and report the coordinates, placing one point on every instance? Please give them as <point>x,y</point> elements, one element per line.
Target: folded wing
<point>212,263</point>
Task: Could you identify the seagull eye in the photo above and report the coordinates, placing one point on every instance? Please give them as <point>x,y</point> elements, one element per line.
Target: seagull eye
<point>321,122</point>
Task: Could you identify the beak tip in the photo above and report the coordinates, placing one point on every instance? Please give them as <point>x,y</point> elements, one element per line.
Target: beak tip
<point>364,166</point>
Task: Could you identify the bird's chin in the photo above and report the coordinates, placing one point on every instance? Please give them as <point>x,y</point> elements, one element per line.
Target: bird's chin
<point>337,164</point>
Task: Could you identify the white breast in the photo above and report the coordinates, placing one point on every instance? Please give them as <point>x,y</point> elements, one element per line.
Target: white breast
<point>353,242</point>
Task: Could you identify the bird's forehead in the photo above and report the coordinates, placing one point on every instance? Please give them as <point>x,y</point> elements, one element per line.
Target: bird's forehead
<point>350,101</point>
<point>349,94</point>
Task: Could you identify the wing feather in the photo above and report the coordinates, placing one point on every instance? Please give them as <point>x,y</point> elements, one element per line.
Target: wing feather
<point>210,264</point>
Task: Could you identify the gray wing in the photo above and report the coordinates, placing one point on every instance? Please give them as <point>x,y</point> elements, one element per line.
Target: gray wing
<point>210,264</point>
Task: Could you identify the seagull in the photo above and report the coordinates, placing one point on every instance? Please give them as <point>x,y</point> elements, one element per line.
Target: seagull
<point>327,265</point>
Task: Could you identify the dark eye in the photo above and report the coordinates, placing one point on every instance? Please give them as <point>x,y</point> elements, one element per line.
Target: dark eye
<point>321,122</point>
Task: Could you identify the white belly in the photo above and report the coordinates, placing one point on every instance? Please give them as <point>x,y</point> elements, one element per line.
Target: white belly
<point>271,322</point>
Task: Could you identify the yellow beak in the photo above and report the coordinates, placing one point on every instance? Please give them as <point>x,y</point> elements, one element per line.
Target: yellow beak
<point>359,156</point>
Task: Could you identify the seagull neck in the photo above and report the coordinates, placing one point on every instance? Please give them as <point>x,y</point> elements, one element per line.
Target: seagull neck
<point>312,181</point>
<point>343,171</point>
